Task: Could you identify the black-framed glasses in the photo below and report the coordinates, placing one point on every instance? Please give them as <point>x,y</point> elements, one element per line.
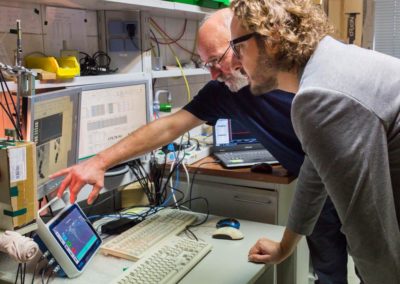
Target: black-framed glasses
<point>216,61</point>
<point>234,44</point>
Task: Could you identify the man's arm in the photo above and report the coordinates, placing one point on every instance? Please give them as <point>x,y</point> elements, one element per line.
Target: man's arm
<point>268,251</point>
<point>143,140</point>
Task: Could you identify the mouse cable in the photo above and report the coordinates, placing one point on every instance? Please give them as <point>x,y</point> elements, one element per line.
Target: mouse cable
<point>187,230</point>
<point>207,213</point>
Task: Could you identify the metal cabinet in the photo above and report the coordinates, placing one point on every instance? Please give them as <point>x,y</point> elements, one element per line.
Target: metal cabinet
<point>236,201</point>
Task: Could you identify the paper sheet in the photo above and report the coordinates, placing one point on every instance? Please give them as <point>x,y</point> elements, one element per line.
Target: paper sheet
<point>64,24</point>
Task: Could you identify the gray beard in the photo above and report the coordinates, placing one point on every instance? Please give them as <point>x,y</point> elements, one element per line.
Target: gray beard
<point>235,82</point>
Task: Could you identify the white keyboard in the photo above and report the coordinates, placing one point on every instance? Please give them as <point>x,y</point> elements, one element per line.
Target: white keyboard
<point>167,263</point>
<point>135,242</point>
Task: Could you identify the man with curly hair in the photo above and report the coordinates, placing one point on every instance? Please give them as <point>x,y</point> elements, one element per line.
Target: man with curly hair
<point>227,96</point>
<point>346,113</point>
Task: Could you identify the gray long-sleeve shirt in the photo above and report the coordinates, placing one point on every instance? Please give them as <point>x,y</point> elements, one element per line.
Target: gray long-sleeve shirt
<point>347,117</point>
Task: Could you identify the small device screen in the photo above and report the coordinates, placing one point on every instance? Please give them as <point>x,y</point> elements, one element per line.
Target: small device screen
<point>229,132</point>
<point>75,235</point>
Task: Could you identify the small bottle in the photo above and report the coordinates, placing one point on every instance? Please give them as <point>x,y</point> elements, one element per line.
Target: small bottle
<point>65,52</point>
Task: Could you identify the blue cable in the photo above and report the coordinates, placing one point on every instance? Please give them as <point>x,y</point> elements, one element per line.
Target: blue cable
<point>129,216</point>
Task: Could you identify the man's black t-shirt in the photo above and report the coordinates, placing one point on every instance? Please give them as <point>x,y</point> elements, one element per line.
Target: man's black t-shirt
<point>267,116</point>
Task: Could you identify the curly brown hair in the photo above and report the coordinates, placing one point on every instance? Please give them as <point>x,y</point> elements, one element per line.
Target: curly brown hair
<point>293,27</point>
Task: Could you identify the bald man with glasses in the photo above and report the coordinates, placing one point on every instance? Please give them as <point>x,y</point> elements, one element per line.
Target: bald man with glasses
<point>226,96</point>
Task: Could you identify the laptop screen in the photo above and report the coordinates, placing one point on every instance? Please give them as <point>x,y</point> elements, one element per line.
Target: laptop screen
<point>229,133</point>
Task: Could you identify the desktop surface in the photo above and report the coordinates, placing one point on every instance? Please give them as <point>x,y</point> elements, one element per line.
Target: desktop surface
<point>210,166</point>
<point>226,263</point>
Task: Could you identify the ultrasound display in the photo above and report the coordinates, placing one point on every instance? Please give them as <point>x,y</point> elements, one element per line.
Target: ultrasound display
<point>75,235</point>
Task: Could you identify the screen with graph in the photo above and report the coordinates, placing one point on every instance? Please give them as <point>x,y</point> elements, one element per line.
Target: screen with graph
<point>230,132</point>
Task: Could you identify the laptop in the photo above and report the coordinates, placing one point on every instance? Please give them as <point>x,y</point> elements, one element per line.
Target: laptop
<point>235,146</point>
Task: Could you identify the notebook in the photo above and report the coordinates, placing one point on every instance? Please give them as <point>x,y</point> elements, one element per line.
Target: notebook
<point>235,146</point>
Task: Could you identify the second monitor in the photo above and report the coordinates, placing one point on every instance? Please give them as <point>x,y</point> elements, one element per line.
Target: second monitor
<point>51,121</point>
<point>110,112</point>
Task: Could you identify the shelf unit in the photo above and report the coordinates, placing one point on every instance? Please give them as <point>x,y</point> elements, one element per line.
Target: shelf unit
<point>166,8</point>
<point>80,81</point>
<point>177,72</point>
<point>88,80</point>
<point>156,7</point>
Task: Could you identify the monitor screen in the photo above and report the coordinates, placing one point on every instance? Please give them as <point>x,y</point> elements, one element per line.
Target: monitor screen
<point>49,128</point>
<point>51,122</point>
<point>108,113</point>
<point>229,132</point>
<point>75,235</point>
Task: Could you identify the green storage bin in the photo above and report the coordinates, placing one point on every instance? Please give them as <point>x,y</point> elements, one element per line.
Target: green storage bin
<point>214,4</point>
<point>192,2</point>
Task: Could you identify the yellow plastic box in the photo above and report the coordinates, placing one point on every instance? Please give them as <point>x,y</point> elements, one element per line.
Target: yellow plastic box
<point>63,67</point>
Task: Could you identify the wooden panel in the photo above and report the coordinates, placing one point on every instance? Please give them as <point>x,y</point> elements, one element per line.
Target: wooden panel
<point>338,14</point>
<point>279,175</point>
<point>335,17</point>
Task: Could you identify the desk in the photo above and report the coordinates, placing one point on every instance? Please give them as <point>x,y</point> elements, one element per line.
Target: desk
<point>209,166</point>
<point>226,263</point>
<point>260,197</point>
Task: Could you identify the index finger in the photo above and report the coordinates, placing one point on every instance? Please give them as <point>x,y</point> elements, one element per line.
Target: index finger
<point>64,184</point>
<point>60,173</point>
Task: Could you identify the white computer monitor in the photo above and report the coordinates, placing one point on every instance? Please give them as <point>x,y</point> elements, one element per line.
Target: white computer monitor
<point>110,112</point>
<point>51,120</point>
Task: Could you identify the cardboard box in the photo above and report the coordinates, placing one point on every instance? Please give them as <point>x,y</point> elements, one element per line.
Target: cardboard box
<point>18,184</point>
<point>132,195</point>
<point>339,14</point>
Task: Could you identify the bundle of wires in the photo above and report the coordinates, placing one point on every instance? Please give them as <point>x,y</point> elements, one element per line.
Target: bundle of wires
<point>13,115</point>
<point>171,41</point>
<point>144,180</point>
<point>154,185</point>
<point>97,64</point>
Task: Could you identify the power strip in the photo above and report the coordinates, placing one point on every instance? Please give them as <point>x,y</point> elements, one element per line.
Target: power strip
<point>190,157</point>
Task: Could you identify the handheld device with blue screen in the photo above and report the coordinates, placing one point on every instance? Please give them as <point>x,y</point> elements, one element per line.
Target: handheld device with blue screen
<point>70,238</point>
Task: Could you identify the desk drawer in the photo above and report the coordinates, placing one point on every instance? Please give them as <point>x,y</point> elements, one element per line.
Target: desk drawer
<point>248,203</point>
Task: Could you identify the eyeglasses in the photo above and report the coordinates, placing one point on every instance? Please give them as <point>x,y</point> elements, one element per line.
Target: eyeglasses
<point>214,63</point>
<point>235,43</point>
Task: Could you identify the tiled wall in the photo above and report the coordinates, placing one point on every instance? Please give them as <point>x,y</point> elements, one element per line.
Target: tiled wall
<point>173,27</point>
<point>34,42</point>
<point>178,90</point>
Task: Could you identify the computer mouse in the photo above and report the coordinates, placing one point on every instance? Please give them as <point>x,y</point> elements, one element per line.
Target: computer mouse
<point>228,222</point>
<point>261,168</point>
<point>227,233</point>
